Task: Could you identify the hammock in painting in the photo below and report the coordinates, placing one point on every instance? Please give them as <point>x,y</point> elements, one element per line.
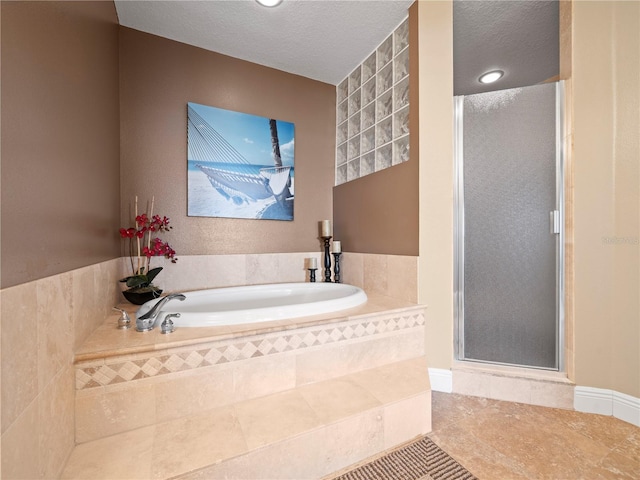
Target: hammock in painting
<point>229,172</point>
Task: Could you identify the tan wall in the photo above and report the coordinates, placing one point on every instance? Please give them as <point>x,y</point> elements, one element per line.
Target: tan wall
<point>60,158</point>
<point>378,213</point>
<point>435,267</point>
<point>606,90</point>
<point>158,78</point>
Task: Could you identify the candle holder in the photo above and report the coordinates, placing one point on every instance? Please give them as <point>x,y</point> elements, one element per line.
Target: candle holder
<point>327,259</point>
<point>312,274</point>
<point>336,268</point>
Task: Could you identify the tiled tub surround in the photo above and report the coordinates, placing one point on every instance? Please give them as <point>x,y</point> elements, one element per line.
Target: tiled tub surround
<point>290,399</point>
<point>390,275</point>
<point>42,323</point>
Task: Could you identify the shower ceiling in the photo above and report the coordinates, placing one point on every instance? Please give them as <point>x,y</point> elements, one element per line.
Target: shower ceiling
<point>521,38</point>
<point>326,39</point>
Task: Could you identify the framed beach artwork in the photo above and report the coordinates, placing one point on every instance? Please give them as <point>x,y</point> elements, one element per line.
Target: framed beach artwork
<point>239,165</point>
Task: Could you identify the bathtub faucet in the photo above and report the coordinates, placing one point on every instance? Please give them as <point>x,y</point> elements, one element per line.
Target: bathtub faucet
<point>146,322</point>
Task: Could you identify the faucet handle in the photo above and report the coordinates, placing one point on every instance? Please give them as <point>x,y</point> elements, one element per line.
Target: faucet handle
<point>167,324</point>
<point>124,321</point>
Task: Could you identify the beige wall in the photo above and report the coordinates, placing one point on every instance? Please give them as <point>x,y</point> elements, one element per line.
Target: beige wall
<point>60,158</point>
<point>435,267</point>
<point>158,78</point>
<point>378,213</point>
<point>606,156</point>
<point>605,89</point>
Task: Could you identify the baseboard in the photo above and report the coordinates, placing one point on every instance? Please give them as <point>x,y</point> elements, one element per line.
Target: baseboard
<point>441,380</point>
<point>627,408</point>
<point>607,402</point>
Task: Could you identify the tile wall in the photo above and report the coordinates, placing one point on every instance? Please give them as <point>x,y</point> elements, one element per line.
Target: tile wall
<point>42,323</point>
<point>513,384</point>
<point>120,393</point>
<point>390,275</point>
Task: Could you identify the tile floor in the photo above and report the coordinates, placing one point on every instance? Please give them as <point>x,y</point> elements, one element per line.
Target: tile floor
<point>498,440</point>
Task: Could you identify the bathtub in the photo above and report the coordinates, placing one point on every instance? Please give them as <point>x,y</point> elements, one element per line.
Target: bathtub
<point>259,303</point>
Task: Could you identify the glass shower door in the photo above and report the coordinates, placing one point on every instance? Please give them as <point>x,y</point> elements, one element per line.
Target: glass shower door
<point>509,219</point>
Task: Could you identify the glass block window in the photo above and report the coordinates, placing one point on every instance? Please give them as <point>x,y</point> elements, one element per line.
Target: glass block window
<point>372,130</point>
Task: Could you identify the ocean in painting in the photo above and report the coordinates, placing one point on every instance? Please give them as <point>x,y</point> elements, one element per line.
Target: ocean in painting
<point>205,201</point>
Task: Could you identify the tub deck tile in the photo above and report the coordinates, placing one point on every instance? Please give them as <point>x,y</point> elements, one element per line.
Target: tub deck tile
<point>312,430</point>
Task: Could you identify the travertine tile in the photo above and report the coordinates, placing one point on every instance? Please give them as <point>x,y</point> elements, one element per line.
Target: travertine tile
<point>375,274</point>
<point>20,446</point>
<point>186,274</point>
<point>85,312</point>
<point>549,394</point>
<point>397,381</point>
<point>116,411</point>
<point>451,408</point>
<point>309,455</point>
<point>292,267</point>
<point>262,269</point>
<point>402,280</point>
<point>496,439</point>
<point>467,383</point>
<point>630,446</point>
<point>352,440</point>
<point>263,376</point>
<point>226,270</point>
<point>185,395</point>
<point>287,459</point>
<point>56,418</point>
<point>19,351</point>
<point>333,400</point>
<point>474,454</point>
<point>618,466</point>
<point>352,268</point>
<point>509,389</point>
<point>107,286</point>
<point>407,419</point>
<point>195,442</point>
<point>124,456</point>
<point>268,419</point>
<point>338,360</point>
<point>55,326</point>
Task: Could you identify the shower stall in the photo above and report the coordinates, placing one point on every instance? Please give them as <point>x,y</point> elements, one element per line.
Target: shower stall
<point>509,227</point>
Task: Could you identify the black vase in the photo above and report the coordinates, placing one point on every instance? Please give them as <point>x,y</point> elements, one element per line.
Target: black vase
<point>139,297</point>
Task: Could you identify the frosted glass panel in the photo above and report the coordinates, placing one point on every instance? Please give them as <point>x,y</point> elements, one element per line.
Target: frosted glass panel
<point>509,184</point>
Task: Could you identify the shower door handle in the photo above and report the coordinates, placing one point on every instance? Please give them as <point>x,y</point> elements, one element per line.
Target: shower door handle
<point>554,217</point>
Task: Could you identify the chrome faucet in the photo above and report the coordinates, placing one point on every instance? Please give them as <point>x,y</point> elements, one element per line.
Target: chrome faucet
<point>147,322</point>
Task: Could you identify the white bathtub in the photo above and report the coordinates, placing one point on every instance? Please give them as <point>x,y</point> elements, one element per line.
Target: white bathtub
<point>259,303</point>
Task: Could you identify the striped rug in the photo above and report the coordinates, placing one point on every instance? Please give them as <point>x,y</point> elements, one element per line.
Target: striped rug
<point>420,460</point>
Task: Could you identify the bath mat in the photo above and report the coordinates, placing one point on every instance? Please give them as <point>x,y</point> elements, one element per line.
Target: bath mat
<point>420,460</point>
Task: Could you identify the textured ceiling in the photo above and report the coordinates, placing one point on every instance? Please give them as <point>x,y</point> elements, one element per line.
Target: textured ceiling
<point>517,37</point>
<point>319,39</point>
<point>326,39</point>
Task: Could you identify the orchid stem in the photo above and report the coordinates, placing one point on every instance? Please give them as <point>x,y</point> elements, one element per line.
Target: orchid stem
<point>153,199</point>
<point>137,238</point>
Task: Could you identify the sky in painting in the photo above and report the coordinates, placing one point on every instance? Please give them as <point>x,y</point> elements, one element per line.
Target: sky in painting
<point>249,134</point>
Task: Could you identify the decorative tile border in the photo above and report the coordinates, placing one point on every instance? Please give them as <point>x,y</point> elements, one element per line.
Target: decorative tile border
<point>206,355</point>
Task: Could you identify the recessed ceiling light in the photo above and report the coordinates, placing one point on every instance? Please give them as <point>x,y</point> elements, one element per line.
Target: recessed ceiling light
<point>491,77</point>
<point>269,3</point>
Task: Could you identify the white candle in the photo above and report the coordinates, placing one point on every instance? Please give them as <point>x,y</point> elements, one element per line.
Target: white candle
<point>337,248</point>
<point>313,262</point>
<point>326,228</point>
